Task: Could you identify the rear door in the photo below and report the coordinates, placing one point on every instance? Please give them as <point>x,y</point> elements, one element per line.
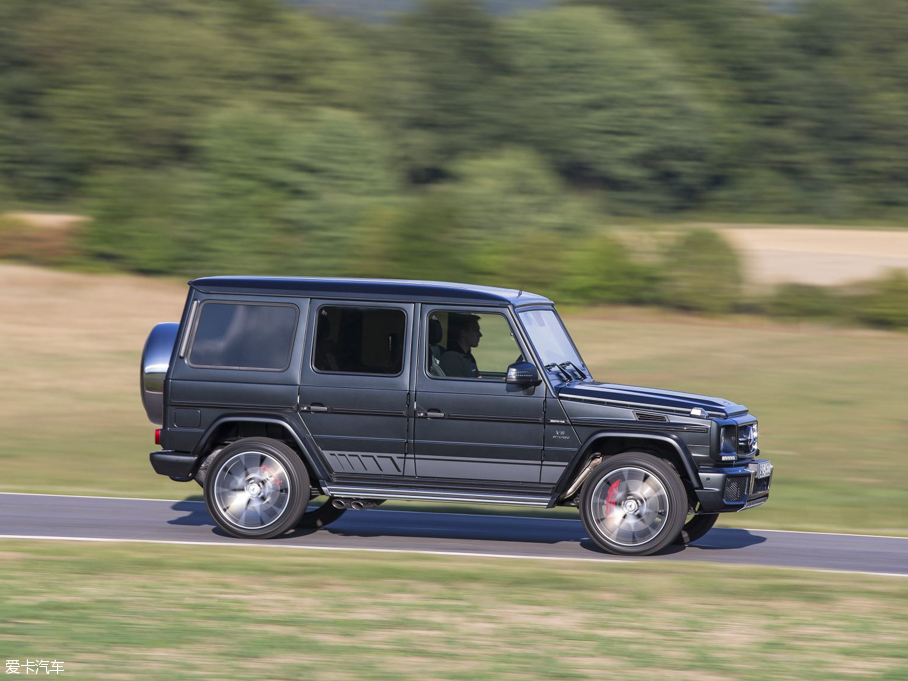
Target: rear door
<point>355,391</point>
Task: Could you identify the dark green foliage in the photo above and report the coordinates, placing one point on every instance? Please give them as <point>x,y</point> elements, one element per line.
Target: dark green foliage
<point>804,301</point>
<point>266,195</point>
<point>448,90</point>
<point>419,241</point>
<point>702,272</point>
<point>504,200</point>
<point>603,271</point>
<point>608,108</point>
<point>887,303</point>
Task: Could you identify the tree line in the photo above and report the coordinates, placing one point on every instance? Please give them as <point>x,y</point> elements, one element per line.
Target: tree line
<point>249,136</point>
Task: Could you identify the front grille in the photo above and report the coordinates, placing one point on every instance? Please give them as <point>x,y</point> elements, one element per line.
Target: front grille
<point>736,488</point>
<point>761,485</point>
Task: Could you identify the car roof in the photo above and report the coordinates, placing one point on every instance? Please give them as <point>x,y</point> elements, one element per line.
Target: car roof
<point>368,289</point>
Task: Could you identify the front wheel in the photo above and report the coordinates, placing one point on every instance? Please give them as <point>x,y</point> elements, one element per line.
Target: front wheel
<point>256,488</point>
<point>633,504</point>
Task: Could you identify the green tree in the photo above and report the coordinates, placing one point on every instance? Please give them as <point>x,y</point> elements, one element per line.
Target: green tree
<point>702,272</point>
<point>267,195</point>
<point>447,94</point>
<point>505,200</point>
<point>608,108</point>
<point>602,270</point>
<point>419,239</point>
<point>887,304</point>
<point>90,85</point>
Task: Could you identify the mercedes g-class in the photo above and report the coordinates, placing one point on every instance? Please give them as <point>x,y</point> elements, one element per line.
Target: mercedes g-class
<point>273,393</point>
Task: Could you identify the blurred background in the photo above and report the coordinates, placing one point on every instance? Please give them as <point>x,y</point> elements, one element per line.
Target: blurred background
<point>599,151</point>
<point>715,193</point>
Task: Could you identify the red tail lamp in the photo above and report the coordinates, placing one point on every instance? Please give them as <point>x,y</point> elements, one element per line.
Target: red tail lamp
<point>157,436</point>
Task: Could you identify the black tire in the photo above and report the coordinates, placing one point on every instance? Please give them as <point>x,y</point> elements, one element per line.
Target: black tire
<point>321,516</point>
<point>638,485</point>
<point>696,527</point>
<point>257,488</point>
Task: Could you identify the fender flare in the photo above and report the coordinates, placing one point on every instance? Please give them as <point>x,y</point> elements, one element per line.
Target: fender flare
<point>316,465</point>
<point>687,460</point>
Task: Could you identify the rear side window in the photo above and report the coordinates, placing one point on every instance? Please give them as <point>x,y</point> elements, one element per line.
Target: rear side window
<point>244,336</point>
<point>360,340</point>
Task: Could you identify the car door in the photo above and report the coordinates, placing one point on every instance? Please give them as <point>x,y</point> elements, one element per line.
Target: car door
<point>469,423</point>
<point>355,390</point>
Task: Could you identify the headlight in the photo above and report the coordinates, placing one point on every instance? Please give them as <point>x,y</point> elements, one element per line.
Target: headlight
<point>748,439</point>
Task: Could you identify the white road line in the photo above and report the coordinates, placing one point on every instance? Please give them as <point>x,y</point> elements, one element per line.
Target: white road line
<point>828,534</point>
<point>84,496</point>
<point>422,552</point>
<point>264,545</point>
<point>483,515</point>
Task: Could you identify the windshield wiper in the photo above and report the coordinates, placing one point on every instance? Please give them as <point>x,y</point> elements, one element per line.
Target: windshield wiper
<point>561,370</point>
<point>576,368</point>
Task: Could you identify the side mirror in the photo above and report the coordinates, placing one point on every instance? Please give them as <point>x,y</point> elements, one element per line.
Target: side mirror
<point>523,373</point>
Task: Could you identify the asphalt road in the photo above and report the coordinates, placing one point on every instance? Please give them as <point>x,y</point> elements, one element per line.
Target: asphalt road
<point>69,517</point>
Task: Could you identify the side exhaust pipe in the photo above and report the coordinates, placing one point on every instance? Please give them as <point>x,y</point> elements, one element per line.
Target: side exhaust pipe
<point>360,505</point>
<point>355,504</point>
<point>583,475</point>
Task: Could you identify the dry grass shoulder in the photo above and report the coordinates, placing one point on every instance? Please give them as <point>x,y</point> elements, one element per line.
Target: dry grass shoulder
<point>164,612</point>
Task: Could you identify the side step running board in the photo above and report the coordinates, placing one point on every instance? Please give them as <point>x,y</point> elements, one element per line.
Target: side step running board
<point>436,495</point>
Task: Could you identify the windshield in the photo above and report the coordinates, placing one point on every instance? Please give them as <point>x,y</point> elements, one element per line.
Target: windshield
<point>553,344</point>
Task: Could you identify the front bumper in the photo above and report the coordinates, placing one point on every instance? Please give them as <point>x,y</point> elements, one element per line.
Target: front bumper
<point>734,488</point>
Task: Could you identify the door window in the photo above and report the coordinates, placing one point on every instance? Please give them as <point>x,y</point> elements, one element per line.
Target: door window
<point>359,340</point>
<point>470,345</point>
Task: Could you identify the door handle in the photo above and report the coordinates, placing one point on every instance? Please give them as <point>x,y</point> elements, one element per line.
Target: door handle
<point>435,414</point>
<point>317,406</point>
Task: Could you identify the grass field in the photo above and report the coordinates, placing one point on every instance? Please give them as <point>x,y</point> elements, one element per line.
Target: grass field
<point>165,612</point>
<point>832,403</point>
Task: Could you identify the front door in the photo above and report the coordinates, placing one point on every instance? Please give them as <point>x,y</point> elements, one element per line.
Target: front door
<point>469,423</point>
<point>354,396</point>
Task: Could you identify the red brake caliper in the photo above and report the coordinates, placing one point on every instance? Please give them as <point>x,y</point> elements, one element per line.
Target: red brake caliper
<point>610,498</point>
<point>273,477</point>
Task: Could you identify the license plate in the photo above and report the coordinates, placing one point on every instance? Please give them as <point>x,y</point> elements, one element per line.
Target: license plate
<point>764,470</point>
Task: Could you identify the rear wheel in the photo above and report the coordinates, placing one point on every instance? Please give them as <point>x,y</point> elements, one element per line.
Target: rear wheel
<point>256,488</point>
<point>633,504</point>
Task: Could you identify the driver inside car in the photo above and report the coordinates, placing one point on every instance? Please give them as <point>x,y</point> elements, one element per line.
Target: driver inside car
<point>463,336</point>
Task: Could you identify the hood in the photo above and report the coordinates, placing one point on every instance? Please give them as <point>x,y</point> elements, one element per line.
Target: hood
<point>649,398</point>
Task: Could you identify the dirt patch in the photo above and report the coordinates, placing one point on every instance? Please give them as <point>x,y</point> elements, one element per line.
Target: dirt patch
<point>816,255</point>
<point>46,220</point>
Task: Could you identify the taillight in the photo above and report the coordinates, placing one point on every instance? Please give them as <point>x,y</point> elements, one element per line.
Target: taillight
<point>157,436</point>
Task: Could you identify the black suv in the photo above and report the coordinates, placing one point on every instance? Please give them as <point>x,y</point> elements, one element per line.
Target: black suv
<point>273,393</point>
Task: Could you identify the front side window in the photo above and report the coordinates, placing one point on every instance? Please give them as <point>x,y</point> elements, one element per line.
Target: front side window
<point>244,336</point>
<point>465,344</point>
<point>360,340</point>
<point>553,344</point>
